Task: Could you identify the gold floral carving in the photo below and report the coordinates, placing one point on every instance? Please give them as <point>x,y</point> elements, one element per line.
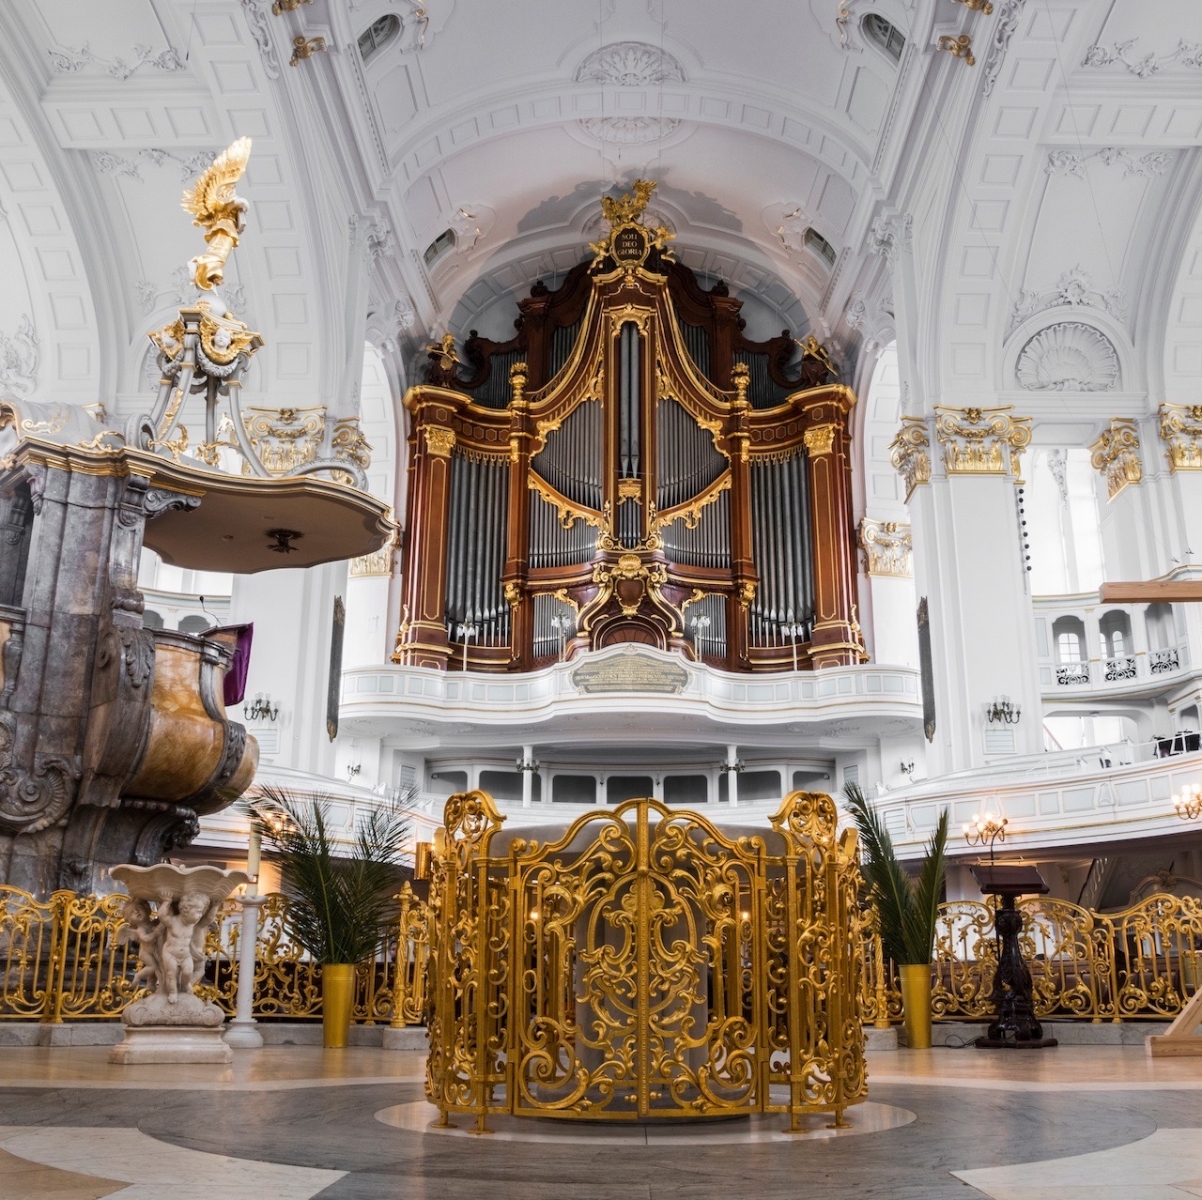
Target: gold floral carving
<point>349,444</point>
<point>1181,432</point>
<point>887,547</point>
<point>630,566</point>
<point>819,439</point>
<point>439,440</point>
<point>1116,455</point>
<point>379,562</point>
<point>691,512</point>
<point>567,511</point>
<point>630,489</point>
<point>910,453</point>
<point>746,593</point>
<point>513,594</point>
<point>284,438</point>
<point>981,441</point>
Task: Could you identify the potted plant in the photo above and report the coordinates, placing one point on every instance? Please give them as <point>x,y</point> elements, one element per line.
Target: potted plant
<point>907,909</point>
<point>338,907</point>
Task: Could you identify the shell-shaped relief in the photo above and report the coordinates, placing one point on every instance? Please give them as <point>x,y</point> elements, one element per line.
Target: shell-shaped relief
<point>1068,357</point>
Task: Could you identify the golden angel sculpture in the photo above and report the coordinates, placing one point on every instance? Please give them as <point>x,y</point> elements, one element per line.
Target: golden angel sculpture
<point>219,212</point>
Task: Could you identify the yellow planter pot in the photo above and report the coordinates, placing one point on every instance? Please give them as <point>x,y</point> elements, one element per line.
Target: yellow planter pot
<point>916,1004</point>
<point>337,998</point>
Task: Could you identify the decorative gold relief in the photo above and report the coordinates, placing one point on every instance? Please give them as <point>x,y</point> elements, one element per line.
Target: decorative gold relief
<point>377,563</point>
<point>513,594</point>
<point>349,444</point>
<point>629,489</point>
<point>644,964</point>
<point>811,347</point>
<point>746,593</point>
<point>566,510</point>
<point>819,439</point>
<point>629,567</point>
<point>690,512</point>
<point>887,547</point>
<point>981,6</point>
<point>958,47</point>
<point>629,241</point>
<point>303,47</point>
<point>284,438</point>
<point>1116,455</point>
<point>910,453</point>
<point>1181,432</point>
<point>219,211</point>
<point>981,441</point>
<point>439,440</point>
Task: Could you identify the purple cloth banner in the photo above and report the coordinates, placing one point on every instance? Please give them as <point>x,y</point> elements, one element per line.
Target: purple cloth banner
<point>241,636</point>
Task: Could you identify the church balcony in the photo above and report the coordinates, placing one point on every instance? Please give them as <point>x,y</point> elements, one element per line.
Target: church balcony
<point>1090,651</point>
<point>629,696</point>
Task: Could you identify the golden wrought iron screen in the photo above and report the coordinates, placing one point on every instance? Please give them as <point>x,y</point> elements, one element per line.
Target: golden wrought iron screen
<point>645,964</point>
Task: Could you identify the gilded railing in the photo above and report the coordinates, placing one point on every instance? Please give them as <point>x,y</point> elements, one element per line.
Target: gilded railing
<point>644,964</point>
<point>66,958</point>
<point>1142,963</point>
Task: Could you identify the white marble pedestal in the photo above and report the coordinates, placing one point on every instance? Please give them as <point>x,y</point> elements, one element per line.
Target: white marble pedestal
<point>171,1044</point>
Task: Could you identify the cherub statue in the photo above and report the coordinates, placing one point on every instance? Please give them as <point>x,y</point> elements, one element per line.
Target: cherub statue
<point>141,927</point>
<point>180,920</point>
<point>443,360</point>
<point>219,211</point>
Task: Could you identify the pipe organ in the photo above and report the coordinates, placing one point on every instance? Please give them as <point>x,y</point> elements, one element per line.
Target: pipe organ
<point>630,468</point>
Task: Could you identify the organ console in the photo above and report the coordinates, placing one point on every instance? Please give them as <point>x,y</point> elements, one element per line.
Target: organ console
<point>629,467</point>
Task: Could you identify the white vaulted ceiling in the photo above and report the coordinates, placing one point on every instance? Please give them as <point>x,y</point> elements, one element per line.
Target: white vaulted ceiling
<point>1053,183</point>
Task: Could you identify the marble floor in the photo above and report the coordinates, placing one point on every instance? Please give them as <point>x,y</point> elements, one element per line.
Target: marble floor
<point>1071,1123</point>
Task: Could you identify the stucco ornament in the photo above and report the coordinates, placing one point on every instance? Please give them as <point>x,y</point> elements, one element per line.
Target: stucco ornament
<point>1068,357</point>
<point>629,65</point>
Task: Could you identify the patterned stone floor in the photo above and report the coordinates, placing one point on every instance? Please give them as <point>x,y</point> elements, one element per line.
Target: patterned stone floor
<point>293,1123</point>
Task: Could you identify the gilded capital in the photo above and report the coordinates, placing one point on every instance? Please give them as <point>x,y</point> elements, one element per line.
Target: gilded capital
<point>888,548</point>
<point>819,439</point>
<point>439,440</point>
<point>981,441</point>
<point>1181,432</point>
<point>910,453</point>
<point>1116,455</point>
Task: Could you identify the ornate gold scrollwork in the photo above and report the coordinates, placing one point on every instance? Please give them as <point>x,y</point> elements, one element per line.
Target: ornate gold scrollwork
<point>690,512</point>
<point>957,47</point>
<point>910,453</point>
<point>1116,455</point>
<point>1181,432</point>
<point>819,439</point>
<point>629,240</point>
<point>566,510</point>
<point>219,212</point>
<point>284,438</point>
<point>982,441</point>
<point>887,547</point>
<point>439,440</point>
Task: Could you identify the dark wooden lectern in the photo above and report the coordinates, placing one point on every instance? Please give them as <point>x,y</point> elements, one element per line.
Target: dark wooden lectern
<point>1014,1025</point>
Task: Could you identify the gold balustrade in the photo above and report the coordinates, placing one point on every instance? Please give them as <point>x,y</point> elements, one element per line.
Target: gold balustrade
<point>644,963</point>
<point>64,959</point>
<point>1142,963</point>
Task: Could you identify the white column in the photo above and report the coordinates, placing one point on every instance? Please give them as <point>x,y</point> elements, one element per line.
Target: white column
<point>527,776</point>
<point>732,775</point>
<point>242,1032</point>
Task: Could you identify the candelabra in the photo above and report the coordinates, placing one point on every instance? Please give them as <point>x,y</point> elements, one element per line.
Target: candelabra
<point>699,625</point>
<point>262,709</point>
<point>794,632</point>
<point>561,623</point>
<point>907,768</point>
<point>353,769</point>
<point>1003,710</point>
<point>985,829</point>
<point>1188,803</point>
<point>526,764</point>
<point>467,631</point>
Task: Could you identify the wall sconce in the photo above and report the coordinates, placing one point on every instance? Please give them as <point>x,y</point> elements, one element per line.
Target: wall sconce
<point>263,709</point>
<point>907,768</point>
<point>1003,709</point>
<point>526,764</point>
<point>353,769</point>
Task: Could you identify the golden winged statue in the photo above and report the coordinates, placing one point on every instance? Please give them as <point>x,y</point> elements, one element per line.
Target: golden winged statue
<point>627,209</point>
<point>219,212</point>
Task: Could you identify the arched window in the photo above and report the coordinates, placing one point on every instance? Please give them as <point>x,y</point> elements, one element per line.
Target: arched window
<point>377,35</point>
<point>885,35</point>
<point>1069,633</point>
<point>1115,627</point>
<point>194,623</point>
<point>820,246</point>
<point>151,620</point>
<point>444,241</point>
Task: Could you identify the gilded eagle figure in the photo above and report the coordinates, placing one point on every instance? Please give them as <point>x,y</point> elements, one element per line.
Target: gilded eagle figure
<point>219,212</point>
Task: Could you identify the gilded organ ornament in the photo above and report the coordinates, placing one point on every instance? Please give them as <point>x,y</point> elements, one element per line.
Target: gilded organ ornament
<point>1116,455</point>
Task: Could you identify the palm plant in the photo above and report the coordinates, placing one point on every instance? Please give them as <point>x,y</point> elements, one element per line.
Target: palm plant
<point>338,907</point>
<point>907,910</point>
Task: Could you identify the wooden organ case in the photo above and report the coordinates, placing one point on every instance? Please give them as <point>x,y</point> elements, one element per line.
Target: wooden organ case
<point>629,468</point>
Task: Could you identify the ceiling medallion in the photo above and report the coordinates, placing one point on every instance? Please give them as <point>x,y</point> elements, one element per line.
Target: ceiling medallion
<point>630,65</point>
<point>1068,357</point>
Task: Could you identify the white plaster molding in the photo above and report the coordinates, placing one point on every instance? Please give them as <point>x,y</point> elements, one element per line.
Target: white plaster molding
<point>68,61</point>
<point>19,359</point>
<point>1074,289</point>
<point>1008,12</point>
<point>1068,162</point>
<point>1188,54</point>
<point>630,64</point>
<point>1068,357</point>
<point>108,163</point>
<point>890,235</point>
<point>260,31</point>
